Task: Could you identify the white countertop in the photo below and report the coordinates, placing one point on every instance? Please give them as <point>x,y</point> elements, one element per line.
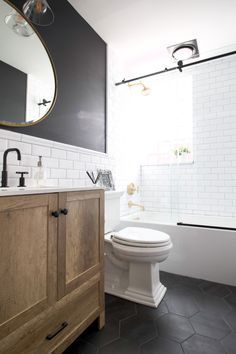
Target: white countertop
<point>14,191</point>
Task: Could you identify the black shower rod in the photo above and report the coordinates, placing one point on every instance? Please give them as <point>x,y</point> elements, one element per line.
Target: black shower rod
<point>179,67</point>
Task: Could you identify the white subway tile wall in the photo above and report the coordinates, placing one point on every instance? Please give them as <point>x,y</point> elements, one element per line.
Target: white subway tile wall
<point>65,164</point>
<point>208,185</point>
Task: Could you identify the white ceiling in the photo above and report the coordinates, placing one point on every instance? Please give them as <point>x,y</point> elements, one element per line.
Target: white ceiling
<point>140,30</point>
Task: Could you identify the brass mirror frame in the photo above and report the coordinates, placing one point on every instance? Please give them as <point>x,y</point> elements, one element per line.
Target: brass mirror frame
<point>18,125</point>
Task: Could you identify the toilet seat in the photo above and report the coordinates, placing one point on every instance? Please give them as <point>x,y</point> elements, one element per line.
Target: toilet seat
<point>141,237</point>
<point>141,245</point>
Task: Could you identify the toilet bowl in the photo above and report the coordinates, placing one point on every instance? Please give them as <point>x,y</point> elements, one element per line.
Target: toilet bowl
<point>132,257</point>
<point>132,264</point>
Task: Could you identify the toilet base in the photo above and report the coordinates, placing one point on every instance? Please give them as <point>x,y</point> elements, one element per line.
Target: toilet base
<point>140,299</point>
<point>139,283</point>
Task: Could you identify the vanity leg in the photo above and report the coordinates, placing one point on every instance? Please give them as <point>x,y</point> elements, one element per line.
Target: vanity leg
<point>101,320</point>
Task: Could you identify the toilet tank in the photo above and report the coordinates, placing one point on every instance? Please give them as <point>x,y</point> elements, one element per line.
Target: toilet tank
<point>112,209</point>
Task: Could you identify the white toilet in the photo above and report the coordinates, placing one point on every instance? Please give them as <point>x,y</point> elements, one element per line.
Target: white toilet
<point>132,257</point>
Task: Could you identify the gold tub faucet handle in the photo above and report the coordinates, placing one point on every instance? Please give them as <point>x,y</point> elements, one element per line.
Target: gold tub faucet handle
<point>131,189</point>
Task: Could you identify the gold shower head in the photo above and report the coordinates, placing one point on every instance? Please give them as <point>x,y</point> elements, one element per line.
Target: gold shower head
<point>145,90</point>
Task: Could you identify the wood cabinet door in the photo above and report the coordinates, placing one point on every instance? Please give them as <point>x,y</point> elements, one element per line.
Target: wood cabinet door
<point>28,258</point>
<point>81,237</point>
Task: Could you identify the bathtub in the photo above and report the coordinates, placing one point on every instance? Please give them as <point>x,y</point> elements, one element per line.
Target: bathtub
<point>207,252</point>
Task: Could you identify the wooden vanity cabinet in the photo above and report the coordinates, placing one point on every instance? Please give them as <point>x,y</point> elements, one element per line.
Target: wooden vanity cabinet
<point>28,258</point>
<point>51,269</point>
<point>80,241</point>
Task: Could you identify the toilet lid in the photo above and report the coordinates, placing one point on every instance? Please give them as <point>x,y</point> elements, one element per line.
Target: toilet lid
<point>137,236</point>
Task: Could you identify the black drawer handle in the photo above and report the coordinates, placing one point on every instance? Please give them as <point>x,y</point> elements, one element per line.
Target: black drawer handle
<point>64,211</point>
<point>57,330</point>
<point>55,214</point>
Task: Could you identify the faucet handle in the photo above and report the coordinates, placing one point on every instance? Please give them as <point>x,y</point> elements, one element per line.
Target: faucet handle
<point>22,178</point>
<point>131,189</point>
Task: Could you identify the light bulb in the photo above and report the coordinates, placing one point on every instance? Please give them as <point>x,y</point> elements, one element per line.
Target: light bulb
<point>38,12</point>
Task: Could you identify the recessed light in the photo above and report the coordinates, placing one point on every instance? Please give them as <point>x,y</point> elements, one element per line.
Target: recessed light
<point>184,51</point>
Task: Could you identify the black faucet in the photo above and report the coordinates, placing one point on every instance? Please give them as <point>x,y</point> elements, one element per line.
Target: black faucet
<point>4,171</point>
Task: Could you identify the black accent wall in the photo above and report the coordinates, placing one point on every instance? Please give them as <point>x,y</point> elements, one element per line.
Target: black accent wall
<point>79,55</point>
<point>12,93</point>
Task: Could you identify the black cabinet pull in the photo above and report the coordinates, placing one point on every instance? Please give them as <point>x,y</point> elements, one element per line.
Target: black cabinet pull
<point>55,214</point>
<point>57,330</point>
<point>64,211</point>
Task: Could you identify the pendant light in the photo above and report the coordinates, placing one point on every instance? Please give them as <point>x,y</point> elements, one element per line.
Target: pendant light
<point>18,24</point>
<point>38,12</point>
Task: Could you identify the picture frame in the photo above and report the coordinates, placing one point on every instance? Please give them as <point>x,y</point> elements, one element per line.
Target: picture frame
<point>106,180</point>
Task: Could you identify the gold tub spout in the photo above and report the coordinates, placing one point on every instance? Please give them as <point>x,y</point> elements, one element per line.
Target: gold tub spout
<point>131,204</point>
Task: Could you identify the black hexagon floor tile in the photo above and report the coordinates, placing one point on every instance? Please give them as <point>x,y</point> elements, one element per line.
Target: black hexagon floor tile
<point>189,280</point>
<point>232,288</point>
<point>174,327</point>
<point>110,298</point>
<point>231,298</point>
<point>106,335</point>
<point>229,343</point>
<point>202,345</point>
<point>137,329</point>
<point>214,288</point>
<point>183,289</point>
<point>119,309</point>
<point>120,346</point>
<point>151,313</point>
<point>212,304</point>
<point>188,289</point>
<point>209,326</point>
<point>169,280</point>
<point>158,331</point>
<point>181,304</point>
<point>81,347</point>
<point>231,319</point>
<point>161,346</point>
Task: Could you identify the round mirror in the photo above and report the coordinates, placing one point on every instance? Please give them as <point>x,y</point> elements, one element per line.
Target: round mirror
<point>27,73</point>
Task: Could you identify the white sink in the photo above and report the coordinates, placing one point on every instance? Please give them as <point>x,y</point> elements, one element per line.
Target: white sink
<point>11,191</point>
<point>18,189</point>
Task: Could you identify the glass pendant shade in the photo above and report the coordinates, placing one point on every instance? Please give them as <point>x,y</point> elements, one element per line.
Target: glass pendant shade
<point>38,12</point>
<point>19,25</point>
